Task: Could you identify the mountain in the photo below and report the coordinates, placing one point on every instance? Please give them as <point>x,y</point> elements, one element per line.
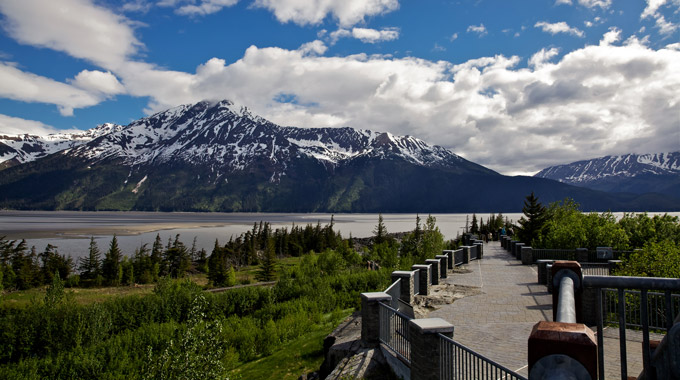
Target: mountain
<point>19,149</point>
<point>217,156</point>
<point>632,173</point>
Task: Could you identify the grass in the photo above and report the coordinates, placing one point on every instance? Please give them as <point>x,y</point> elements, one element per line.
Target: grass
<point>300,356</point>
<point>83,296</point>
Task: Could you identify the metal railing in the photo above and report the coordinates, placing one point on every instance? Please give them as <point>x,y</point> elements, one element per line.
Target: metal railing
<point>458,362</point>
<point>657,310</point>
<point>620,285</point>
<point>458,257</point>
<point>395,292</point>
<point>595,269</point>
<point>553,254</point>
<point>394,332</point>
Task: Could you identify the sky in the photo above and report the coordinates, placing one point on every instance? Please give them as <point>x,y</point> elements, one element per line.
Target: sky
<point>514,85</point>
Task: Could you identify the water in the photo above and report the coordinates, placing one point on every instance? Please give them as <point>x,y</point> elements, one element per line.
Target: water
<point>70,231</point>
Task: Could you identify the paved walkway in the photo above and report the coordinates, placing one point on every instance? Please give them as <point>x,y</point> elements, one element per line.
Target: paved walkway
<point>498,322</point>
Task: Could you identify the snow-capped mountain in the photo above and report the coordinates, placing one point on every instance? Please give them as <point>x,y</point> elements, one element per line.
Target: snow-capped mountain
<point>18,149</point>
<point>229,138</point>
<point>635,173</point>
<point>217,156</point>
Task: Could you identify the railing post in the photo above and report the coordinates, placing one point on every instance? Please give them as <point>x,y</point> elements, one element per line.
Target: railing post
<point>426,347</point>
<point>443,265</point>
<point>449,253</point>
<point>571,269</point>
<point>582,255</point>
<point>370,317</point>
<point>425,274</point>
<point>406,278</point>
<point>543,270</point>
<point>435,263</point>
<point>527,258</point>
<point>466,254</point>
<point>518,250</point>
<point>613,266</point>
<point>562,350</point>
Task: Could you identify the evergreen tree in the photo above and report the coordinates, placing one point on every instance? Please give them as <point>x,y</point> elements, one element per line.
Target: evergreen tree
<point>267,270</point>
<point>533,220</point>
<point>217,265</point>
<point>90,266</point>
<point>177,259</point>
<point>111,270</point>
<point>474,228</point>
<point>380,231</point>
<point>433,239</point>
<point>142,265</point>
<point>53,262</point>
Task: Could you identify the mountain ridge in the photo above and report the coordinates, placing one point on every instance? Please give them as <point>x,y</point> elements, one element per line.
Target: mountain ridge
<point>217,156</point>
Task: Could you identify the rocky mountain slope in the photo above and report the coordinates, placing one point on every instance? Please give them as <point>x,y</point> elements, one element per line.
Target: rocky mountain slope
<point>639,174</point>
<point>217,156</point>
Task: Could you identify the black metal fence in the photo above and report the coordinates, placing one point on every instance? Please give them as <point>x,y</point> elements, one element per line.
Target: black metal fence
<point>458,362</point>
<point>394,332</point>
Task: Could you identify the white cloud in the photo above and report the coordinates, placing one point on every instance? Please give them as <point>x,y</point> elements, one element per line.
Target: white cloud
<point>602,98</point>
<point>604,4</point>
<point>205,7</point>
<point>559,27</point>
<point>652,10</point>
<point>479,29</point>
<point>76,27</point>
<point>10,125</point>
<point>98,81</point>
<point>365,35</point>
<point>315,47</point>
<point>613,35</point>
<point>19,85</point>
<point>313,12</point>
<point>539,59</point>
<point>453,37</point>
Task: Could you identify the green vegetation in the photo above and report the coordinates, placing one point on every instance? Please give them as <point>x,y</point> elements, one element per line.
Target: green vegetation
<point>650,244</point>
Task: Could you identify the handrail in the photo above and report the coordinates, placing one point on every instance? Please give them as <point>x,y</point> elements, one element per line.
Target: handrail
<point>460,362</point>
<point>394,331</point>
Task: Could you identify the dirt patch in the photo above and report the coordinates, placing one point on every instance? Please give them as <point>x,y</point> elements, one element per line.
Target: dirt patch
<point>444,294</point>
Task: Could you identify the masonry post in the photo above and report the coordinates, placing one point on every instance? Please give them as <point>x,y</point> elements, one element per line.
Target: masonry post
<point>370,317</point>
<point>466,254</point>
<point>406,278</point>
<point>435,270</point>
<point>518,250</point>
<point>425,346</point>
<point>527,258</point>
<point>424,279</point>
<point>582,255</point>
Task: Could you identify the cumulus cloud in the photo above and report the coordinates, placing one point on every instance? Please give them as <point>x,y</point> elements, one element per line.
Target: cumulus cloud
<point>365,35</point>
<point>313,12</point>
<point>479,29</point>
<point>76,27</point>
<point>559,27</point>
<point>98,81</point>
<point>10,125</point>
<point>600,98</point>
<point>19,85</point>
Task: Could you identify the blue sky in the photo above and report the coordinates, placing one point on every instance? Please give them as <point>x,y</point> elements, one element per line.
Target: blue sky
<point>513,85</point>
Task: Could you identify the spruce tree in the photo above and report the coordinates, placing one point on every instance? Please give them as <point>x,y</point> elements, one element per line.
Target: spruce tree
<point>111,270</point>
<point>267,270</point>
<point>90,266</point>
<point>532,222</point>
<point>380,231</point>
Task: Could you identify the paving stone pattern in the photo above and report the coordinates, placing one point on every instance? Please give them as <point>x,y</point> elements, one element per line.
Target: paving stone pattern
<point>497,323</point>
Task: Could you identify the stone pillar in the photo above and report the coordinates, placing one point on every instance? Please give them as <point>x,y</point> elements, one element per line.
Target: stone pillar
<point>370,317</point>
<point>435,263</point>
<point>518,250</point>
<point>543,271</point>
<point>582,255</point>
<point>512,247</point>
<point>502,239</point>
<point>466,254</point>
<point>613,266</point>
<point>548,279</point>
<point>527,258</point>
<point>406,278</point>
<point>424,279</point>
<point>443,266</point>
<point>425,346</point>
<point>562,350</point>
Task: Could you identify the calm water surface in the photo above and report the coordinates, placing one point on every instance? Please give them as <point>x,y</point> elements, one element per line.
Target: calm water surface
<point>70,231</point>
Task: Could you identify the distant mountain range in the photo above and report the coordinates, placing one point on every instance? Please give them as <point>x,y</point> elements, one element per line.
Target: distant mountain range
<point>217,156</point>
<point>631,173</point>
